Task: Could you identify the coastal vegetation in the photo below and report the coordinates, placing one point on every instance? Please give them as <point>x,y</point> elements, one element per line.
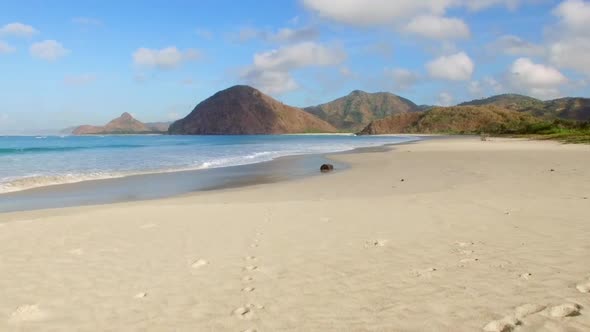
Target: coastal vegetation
<point>491,120</point>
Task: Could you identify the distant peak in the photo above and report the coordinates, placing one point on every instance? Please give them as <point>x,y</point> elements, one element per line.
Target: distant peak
<point>358,92</point>
<point>241,88</point>
<point>126,116</point>
<point>239,91</point>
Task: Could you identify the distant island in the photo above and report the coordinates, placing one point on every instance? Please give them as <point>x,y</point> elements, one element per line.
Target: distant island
<point>124,125</point>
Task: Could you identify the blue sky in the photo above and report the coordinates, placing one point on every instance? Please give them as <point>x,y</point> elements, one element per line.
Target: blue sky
<point>65,63</point>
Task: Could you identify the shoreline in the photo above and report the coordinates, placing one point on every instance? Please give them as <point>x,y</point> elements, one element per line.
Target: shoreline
<point>81,193</point>
<point>439,235</point>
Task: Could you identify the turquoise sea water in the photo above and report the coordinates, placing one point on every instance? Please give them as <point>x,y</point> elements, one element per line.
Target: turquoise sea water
<point>30,162</point>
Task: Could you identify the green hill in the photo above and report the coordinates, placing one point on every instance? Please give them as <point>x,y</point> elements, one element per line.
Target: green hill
<point>564,108</point>
<point>359,108</point>
<point>455,120</point>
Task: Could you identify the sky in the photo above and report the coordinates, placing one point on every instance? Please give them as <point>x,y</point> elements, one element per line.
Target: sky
<point>66,63</point>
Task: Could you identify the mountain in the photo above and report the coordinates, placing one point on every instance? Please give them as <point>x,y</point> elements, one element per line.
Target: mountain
<point>243,110</point>
<point>159,126</point>
<point>513,102</point>
<point>359,108</point>
<point>570,108</point>
<point>564,108</point>
<point>455,120</point>
<point>125,124</point>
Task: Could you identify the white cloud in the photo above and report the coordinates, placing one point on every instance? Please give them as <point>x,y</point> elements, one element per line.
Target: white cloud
<point>486,87</point>
<point>494,85</point>
<point>6,48</point>
<point>536,79</point>
<point>298,56</point>
<point>374,12</point>
<point>475,88</point>
<point>284,35</point>
<point>166,58</point>
<point>445,99</point>
<point>456,67</point>
<point>403,79</point>
<point>294,35</point>
<point>570,46</point>
<point>483,4</point>
<point>271,71</point>
<point>18,30</point>
<point>271,82</point>
<point>574,14</point>
<point>388,12</point>
<point>49,50</point>
<point>513,45</point>
<point>87,21</point>
<point>571,53</point>
<point>438,27</point>
<point>79,80</point>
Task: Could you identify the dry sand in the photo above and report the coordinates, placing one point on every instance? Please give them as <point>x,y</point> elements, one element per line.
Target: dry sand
<point>478,236</point>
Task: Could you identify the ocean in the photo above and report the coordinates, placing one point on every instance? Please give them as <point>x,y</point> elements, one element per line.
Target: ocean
<point>28,162</point>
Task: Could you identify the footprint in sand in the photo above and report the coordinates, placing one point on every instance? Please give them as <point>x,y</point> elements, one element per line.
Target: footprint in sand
<point>469,260</point>
<point>248,289</point>
<point>254,245</point>
<point>250,258</point>
<point>251,268</point>
<point>565,310</point>
<point>247,278</point>
<point>528,309</point>
<point>426,272</point>
<point>140,295</point>
<point>254,306</point>
<point>375,243</point>
<point>243,313</point>
<point>28,313</point>
<point>464,244</point>
<point>199,264</point>
<point>505,324</point>
<point>526,276</point>
<point>584,287</point>
<point>76,252</point>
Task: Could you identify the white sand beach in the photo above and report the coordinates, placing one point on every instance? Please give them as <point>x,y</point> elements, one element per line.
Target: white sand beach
<point>442,235</point>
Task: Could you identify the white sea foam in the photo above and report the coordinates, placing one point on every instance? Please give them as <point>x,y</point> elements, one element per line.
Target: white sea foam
<point>167,154</point>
